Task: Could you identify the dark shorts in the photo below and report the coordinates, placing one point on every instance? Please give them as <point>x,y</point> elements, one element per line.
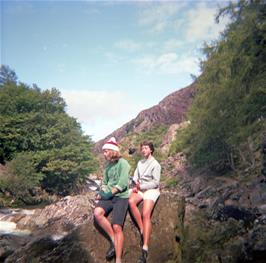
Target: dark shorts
<point>119,207</point>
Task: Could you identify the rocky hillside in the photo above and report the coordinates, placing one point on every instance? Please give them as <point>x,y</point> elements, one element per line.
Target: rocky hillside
<point>199,217</point>
<point>171,110</point>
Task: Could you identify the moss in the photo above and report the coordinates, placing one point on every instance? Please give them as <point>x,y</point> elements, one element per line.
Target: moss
<point>170,182</point>
<point>205,240</point>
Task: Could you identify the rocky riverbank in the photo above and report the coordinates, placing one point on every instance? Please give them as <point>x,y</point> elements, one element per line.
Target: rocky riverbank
<point>66,230</point>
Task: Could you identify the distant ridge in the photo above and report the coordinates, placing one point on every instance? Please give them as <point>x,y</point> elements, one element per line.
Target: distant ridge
<point>172,109</point>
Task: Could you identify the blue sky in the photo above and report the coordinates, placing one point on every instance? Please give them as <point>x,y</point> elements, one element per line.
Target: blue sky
<point>109,59</point>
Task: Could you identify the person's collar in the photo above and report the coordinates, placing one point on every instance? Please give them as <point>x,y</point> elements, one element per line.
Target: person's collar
<point>150,157</point>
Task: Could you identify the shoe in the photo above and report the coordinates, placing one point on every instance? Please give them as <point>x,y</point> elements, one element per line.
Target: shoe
<point>143,257</point>
<point>110,253</point>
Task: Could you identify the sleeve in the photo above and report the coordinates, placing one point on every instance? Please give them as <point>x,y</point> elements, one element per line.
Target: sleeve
<point>156,176</point>
<point>123,170</point>
<point>136,175</point>
<point>105,180</point>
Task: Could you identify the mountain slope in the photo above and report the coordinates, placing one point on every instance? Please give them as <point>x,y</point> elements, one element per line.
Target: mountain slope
<point>172,109</point>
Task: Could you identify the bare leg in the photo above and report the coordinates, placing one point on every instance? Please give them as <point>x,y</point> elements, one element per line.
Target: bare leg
<point>119,240</point>
<point>133,201</point>
<point>147,210</point>
<point>103,222</point>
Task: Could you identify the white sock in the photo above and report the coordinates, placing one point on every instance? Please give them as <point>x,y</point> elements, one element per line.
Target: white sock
<point>145,248</point>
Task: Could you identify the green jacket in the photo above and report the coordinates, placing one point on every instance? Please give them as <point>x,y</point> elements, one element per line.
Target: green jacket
<point>116,174</point>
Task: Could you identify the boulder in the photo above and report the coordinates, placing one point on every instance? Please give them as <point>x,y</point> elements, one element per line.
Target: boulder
<point>87,244</point>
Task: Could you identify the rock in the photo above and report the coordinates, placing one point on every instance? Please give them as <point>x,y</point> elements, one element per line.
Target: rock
<point>236,212</point>
<point>61,216</point>
<point>86,244</point>
<point>170,135</point>
<point>9,243</point>
<point>33,251</point>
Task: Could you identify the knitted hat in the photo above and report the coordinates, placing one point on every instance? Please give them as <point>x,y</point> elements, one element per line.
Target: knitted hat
<point>111,144</point>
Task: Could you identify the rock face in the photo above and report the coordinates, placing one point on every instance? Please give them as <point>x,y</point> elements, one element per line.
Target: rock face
<point>85,243</point>
<point>170,136</point>
<point>170,110</point>
<point>60,217</point>
<point>225,218</point>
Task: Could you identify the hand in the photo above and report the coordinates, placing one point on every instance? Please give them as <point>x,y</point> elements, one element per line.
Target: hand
<point>105,195</point>
<point>135,190</point>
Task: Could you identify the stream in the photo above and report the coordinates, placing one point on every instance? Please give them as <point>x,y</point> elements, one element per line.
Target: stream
<point>7,224</point>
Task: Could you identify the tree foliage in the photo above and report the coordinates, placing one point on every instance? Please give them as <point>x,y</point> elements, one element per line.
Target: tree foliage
<point>41,144</point>
<point>231,100</point>
<point>7,75</point>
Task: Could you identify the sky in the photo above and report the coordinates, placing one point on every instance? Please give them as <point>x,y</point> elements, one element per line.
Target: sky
<point>109,59</point>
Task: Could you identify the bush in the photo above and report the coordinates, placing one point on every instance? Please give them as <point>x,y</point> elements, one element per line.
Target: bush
<point>21,178</point>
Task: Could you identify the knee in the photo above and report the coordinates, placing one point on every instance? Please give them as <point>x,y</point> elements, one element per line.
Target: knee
<point>146,215</point>
<point>117,228</point>
<point>98,213</point>
<point>131,202</point>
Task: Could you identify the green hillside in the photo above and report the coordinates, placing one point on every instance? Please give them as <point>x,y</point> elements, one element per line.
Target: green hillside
<point>228,114</point>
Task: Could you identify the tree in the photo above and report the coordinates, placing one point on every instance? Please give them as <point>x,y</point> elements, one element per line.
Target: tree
<point>34,124</point>
<point>7,75</point>
<point>230,102</point>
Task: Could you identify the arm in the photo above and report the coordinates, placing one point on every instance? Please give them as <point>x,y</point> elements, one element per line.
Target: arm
<point>106,192</point>
<point>156,175</point>
<point>136,175</point>
<point>135,181</point>
<point>122,183</point>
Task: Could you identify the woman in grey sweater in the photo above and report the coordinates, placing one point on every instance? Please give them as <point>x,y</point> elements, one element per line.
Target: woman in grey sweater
<point>146,181</point>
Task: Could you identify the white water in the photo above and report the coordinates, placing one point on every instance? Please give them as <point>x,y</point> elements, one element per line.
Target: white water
<point>9,227</point>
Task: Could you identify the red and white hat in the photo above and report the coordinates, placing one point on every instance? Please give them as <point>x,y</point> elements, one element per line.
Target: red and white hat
<point>111,144</point>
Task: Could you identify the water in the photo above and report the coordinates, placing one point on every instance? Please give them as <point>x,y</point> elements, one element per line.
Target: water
<point>11,228</point>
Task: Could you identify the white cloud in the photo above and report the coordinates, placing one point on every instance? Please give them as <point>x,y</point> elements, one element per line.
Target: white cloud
<point>159,16</point>
<point>196,23</point>
<point>90,105</point>
<point>99,112</point>
<point>169,63</point>
<point>172,44</point>
<point>201,23</point>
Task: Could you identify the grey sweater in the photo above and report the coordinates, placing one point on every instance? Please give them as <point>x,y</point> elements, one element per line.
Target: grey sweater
<point>148,173</point>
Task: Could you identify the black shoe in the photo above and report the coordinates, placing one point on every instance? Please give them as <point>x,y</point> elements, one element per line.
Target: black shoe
<point>143,257</point>
<point>110,253</point>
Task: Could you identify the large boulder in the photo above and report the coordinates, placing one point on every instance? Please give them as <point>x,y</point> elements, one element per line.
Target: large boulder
<point>86,244</point>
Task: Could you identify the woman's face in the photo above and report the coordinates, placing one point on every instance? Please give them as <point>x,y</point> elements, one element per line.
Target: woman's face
<point>107,154</point>
<point>145,151</point>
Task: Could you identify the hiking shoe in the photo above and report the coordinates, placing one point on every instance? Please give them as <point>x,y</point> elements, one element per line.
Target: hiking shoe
<point>143,257</point>
<point>110,253</point>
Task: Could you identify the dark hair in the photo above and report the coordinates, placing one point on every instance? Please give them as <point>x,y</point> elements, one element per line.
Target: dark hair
<point>150,144</point>
<point>131,151</point>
